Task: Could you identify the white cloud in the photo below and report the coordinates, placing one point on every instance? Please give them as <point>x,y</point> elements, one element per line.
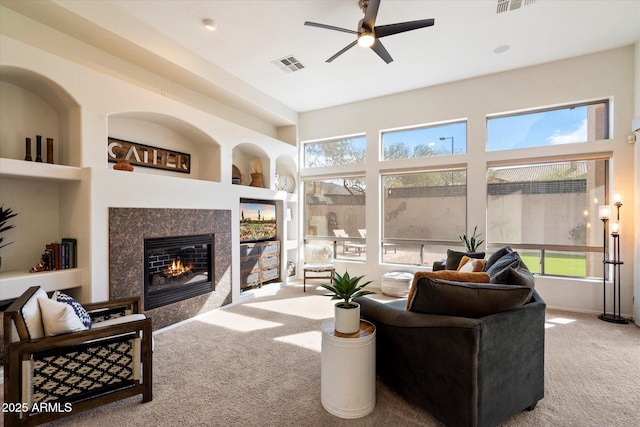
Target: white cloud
<point>578,135</point>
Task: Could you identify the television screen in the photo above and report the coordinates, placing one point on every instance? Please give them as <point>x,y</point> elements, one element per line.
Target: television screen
<point>257,220</point>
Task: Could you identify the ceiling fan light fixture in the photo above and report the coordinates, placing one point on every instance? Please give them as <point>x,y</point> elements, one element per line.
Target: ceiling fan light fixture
<point>366,39</point>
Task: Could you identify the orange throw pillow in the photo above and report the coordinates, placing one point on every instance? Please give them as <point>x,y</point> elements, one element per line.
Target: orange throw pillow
<point>470,265</point>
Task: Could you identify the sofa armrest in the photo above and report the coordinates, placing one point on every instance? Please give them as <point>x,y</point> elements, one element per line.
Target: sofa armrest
<point>394,314</point>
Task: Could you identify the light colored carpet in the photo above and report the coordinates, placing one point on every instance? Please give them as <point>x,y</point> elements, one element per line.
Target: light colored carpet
<point>258,364</point>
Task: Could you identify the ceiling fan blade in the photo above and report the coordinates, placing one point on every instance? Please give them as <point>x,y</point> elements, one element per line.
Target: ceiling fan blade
<point>391,29</point>
<point>381,51</point>
<point>329,27</point>
<point>369,20</point>
<point>343,50</point>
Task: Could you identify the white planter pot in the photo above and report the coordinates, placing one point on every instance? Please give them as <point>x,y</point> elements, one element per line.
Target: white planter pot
<point>347,319</point>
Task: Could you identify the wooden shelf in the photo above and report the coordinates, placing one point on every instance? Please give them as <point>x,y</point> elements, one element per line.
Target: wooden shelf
<point>14,283</point>
<point>11,168</point>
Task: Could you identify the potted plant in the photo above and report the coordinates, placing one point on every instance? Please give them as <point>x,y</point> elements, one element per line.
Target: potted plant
<point>471,243</point>
<point>5,215</point>
<point>347,312</point>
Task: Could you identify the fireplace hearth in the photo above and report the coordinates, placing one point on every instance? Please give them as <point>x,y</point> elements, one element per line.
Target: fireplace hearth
<point>177,268</point>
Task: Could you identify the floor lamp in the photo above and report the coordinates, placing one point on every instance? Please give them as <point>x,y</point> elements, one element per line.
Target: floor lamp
<point>605,213</point>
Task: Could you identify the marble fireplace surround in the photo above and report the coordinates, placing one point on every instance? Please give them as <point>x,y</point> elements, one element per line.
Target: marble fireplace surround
<point>128,227</point>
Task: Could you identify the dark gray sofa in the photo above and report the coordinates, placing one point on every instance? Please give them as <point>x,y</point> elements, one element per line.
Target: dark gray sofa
<point>464,371</point>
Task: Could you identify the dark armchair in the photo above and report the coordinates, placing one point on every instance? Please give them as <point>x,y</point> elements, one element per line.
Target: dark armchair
<point>465,371</point>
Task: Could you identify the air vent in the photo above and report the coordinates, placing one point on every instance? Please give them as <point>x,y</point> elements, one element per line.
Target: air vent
<point>288,64</point>
<point>507,5</point>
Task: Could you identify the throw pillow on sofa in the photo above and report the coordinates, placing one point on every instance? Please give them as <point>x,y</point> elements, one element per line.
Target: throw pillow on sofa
<point>511,259</point>
<point>454,258</point>
<point>470,265</point>
<point>479,277</point>
<point>515,276</point>
<point>475,300</point>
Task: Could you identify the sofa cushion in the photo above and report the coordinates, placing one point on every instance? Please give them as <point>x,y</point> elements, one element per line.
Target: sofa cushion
<point>118,320</point>
<point>478,277</point>
<point>515,276</point>
<point>475,300</point>
<point>75,305</point>
<point>30,312</point>
<point>59,317</point>
<point>454,258</point>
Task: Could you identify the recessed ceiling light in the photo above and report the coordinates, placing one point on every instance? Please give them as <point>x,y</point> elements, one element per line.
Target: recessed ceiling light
<point>501,49</point>
<point>209,24</point>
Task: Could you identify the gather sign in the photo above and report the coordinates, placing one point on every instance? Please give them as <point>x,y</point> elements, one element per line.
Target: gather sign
<point>148,156</point>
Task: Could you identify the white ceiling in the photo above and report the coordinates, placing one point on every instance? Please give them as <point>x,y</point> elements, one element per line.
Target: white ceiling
<point>251,34</point>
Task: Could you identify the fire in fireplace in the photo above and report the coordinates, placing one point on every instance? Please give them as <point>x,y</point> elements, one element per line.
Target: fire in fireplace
<point>177,268</point>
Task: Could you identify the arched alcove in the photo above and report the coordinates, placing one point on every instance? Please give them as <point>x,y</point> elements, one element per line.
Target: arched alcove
<point>32,104</point>
<point>169,133</point>
<point>286,165</point>
<point>244,154</point>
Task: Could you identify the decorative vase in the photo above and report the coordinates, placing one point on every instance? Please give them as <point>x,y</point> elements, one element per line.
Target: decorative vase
<point>50,150</point>
<point>123,165</point>
<point>27,147</point>
<point>39,148</point>
<point>347,320</point>
<point>256,180</point>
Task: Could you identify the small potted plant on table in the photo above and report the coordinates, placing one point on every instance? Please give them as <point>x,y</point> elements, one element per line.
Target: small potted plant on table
<point>347,312</point>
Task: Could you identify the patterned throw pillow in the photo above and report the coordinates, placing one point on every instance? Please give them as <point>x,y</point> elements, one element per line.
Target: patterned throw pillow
<point>77,307</point>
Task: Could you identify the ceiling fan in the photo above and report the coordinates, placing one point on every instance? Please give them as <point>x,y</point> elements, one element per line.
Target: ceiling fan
<point>369,34</point>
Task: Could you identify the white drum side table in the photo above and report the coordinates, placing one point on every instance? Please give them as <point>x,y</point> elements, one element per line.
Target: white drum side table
<point>348,370</point>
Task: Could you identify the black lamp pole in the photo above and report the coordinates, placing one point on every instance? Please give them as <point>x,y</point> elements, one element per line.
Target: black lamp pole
<point>615,317</point>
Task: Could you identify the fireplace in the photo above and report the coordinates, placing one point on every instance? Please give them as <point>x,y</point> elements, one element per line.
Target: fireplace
<point>177,268</point>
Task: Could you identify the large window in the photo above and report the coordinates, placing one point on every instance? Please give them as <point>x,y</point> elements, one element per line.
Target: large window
<point>426,141</point>
<point>549,212</point>
<point>334,152</point>
<point>335,212</point>
<point>423,214</point>
<point>565,125</point>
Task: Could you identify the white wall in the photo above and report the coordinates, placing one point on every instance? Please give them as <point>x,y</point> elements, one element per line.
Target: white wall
<point>110,106</point>
<point>606,75</point>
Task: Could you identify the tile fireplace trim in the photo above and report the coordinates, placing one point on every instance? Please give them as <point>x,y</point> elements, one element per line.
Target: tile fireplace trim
<point>128,227</point>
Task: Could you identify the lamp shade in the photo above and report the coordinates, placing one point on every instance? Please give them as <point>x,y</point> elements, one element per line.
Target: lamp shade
<point>605,212</point>
<point>615,228</point>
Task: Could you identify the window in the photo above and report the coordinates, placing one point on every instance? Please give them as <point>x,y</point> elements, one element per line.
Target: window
<point>423,214</point>
<point>549,212</point>
<point>335,212</point>
<point>565,125</point>
<point>436,140</point>
<point>335,152</point>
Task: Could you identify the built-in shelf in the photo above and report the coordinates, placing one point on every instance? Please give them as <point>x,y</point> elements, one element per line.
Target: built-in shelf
<point>14,283</point>
<point>11,168</point>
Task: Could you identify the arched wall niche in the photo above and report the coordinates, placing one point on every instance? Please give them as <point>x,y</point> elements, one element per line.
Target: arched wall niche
<point>32,104</point>
<point>243,156</point>
<point>171,133</point>
<point>286,165</point>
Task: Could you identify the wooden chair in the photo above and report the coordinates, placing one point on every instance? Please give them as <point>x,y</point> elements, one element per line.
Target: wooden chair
<point>74,371</point>
<point>318,263</point>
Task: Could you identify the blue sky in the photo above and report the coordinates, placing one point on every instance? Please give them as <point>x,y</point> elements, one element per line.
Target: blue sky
<point>430,136</point>
<point>562,126</point>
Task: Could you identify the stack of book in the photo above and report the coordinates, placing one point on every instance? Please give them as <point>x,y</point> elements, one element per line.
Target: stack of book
<point>61,255</point>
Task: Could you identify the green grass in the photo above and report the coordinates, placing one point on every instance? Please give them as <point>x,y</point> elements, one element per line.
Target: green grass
<point>556,263</point>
